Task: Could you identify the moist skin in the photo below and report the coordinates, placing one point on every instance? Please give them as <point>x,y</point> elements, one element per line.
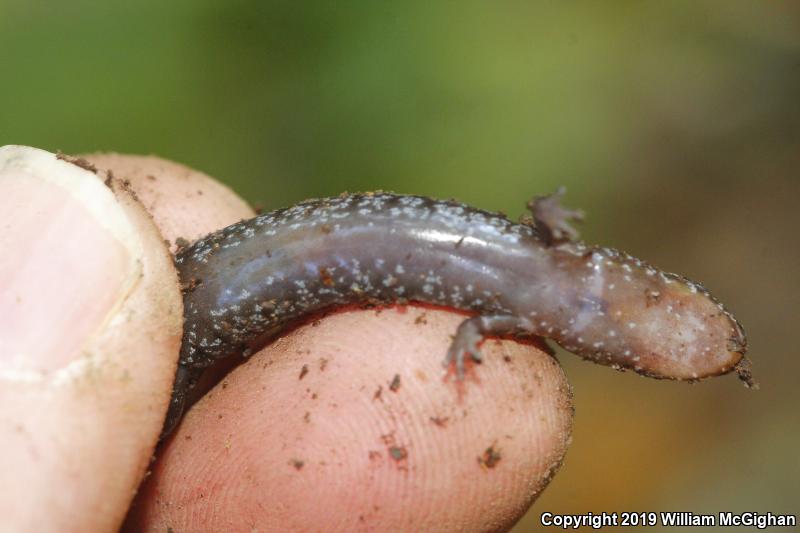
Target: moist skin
<point>246,283</point>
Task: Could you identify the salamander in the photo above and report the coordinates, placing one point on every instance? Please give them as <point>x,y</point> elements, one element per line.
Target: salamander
<point>247,283</point>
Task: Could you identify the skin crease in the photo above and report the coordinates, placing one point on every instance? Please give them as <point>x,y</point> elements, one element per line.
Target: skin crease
<point>523,405</point>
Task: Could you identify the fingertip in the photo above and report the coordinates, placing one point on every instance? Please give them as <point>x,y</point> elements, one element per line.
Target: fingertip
<point>93,344</point>
<point>185,203</point>
<point>349,424</point>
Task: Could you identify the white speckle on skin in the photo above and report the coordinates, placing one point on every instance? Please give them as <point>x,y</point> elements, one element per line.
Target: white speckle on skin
<point>445,224</point>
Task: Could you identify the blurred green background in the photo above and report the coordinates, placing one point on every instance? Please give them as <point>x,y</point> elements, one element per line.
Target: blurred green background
<point>675,125</point>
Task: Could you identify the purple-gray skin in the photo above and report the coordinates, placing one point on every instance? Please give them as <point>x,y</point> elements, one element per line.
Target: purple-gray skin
<point>246,283</point>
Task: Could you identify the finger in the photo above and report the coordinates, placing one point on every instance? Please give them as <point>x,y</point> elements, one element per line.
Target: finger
<point>88,343</point>
<point>185,204</point>
<point>346,424</point>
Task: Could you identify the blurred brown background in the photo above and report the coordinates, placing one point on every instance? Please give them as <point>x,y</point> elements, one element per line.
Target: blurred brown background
<point>676,126</point>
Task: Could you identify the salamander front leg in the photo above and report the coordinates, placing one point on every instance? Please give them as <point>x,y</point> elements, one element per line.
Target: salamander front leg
<point>472,331</point>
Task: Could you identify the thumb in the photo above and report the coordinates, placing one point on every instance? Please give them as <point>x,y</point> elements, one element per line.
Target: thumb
<point>91,322</point>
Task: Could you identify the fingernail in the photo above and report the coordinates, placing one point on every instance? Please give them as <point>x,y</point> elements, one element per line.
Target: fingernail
<point>68,257</point>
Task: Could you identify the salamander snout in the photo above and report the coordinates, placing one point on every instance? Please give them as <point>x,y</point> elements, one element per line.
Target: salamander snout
<point>683,333</point>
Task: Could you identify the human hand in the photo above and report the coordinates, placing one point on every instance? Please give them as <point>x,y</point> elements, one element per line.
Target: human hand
<point>344,424</point>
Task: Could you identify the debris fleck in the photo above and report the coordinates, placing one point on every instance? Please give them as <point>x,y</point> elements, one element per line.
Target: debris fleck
<point>398,453</point>
<point>181,243</point>
<point>440,421</point>
<point>77,161</point>
<point>652,296</point>
<point>490,457</point>
<point>326,277</point>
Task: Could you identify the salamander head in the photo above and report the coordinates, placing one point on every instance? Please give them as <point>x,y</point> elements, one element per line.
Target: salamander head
<point>675,327</point>
<point>631,315</point>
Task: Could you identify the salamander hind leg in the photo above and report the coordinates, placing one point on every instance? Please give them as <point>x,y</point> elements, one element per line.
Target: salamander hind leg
<point>472,331</point>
